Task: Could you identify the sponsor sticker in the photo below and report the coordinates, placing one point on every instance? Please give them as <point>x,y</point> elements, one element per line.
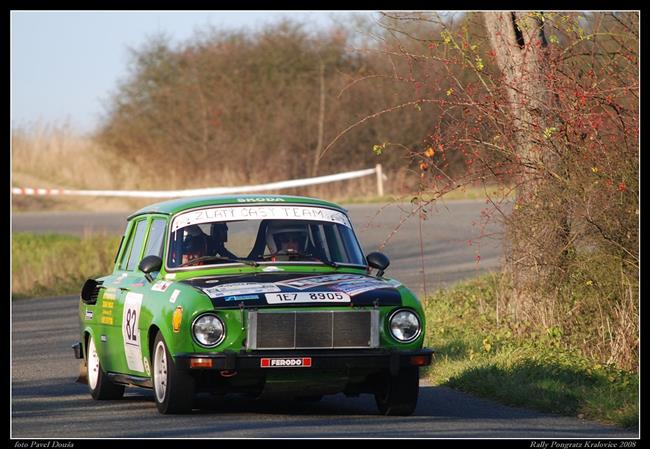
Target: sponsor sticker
<point>241,297</point>
<point>174,295</point>
<point>161,286</point>
<point>106,320</point>
<point>303,297</point>
<point>89,314</point>
<point>119,278</point>
<point>360,286</point>
<point>109,294</point>
<point>316,281</point>
<point>298,362</point>
<point>259,213</point>
<point>241,288</point>
<point>146,367</point>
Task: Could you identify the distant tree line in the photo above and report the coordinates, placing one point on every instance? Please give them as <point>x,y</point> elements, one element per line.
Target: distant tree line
<point>229,108</point>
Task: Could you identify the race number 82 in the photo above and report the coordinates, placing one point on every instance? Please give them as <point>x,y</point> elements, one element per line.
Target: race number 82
<point>129,325</point>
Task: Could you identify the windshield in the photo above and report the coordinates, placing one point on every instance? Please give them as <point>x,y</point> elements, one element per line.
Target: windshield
<point>262,234</point>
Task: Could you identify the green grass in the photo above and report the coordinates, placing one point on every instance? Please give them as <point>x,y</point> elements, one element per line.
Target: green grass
<point>521,368</point>
<point>53,264</point>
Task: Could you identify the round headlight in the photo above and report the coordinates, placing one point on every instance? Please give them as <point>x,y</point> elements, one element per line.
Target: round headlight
<point>208,330</point>
<point>405,326</point>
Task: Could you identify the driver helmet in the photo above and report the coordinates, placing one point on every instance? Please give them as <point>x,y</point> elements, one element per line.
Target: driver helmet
<point>219,232</point>
<point>282,236</point>
<point>194,243</point>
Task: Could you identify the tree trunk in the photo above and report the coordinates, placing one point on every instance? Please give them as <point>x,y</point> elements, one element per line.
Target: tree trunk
<point>538,233</point>
<point>321,120</point>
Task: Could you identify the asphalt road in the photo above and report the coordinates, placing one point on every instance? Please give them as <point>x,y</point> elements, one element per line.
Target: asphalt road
<point>47,403</point>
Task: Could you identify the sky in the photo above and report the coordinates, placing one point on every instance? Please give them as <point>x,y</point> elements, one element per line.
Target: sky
<point>65,65</point>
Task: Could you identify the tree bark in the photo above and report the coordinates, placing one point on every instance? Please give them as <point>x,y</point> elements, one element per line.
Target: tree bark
<point>538,233</point>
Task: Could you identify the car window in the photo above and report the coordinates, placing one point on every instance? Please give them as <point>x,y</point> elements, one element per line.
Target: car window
<point>127,241</point>
<point>156,236</point>
<point>136,245</point>
<point>258,240</point>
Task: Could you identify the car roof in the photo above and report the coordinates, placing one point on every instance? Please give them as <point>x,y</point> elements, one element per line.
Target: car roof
<point>172,207</point>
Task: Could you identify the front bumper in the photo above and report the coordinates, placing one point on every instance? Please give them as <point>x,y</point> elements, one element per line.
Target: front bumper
<point>370,359</point>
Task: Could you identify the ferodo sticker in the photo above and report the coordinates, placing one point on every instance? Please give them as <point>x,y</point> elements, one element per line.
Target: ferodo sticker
<point>300,362</point>
<point>130,331</point>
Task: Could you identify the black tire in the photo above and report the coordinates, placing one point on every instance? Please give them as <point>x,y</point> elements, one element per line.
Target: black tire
<point>101,388</point>
<point>398,395</point>
<point>173,389</point>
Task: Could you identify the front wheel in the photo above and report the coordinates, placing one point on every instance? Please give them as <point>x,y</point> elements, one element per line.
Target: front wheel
<point>98,383</point>
<point>398,395</point>
<point>174,389</point>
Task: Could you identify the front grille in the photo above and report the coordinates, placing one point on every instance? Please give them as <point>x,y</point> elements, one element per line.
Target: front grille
<point>313,330</point>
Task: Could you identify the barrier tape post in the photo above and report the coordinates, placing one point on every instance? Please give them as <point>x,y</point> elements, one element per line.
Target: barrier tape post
<point>213,190</point>
<point>380,181</point>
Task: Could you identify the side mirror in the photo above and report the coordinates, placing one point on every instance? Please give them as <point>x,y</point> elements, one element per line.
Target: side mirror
<point>149,264</point>
<point>378,261</point>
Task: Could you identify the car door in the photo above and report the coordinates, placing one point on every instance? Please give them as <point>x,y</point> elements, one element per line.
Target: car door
<point>134,302</point>
<point>124,337</point>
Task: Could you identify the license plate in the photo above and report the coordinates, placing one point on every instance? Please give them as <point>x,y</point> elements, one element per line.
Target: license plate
<point>302,297</point>
<point>298,362</point>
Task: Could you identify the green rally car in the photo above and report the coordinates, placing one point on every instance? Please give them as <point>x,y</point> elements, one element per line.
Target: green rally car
<point>259,295</point>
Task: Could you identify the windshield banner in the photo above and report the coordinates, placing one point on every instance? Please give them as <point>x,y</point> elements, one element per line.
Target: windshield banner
<point>259,213</point>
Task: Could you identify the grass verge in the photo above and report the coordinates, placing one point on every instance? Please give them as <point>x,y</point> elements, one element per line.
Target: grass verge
<point>464,193</point>
<point>533,370</point>
<point>53,264</point>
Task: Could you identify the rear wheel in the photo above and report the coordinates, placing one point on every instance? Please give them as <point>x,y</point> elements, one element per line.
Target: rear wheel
<point>174,389</point>
<point>98,383</point>
<point>398,395</point>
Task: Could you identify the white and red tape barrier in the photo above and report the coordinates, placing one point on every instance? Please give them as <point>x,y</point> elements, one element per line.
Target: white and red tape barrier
<point>209,191</point>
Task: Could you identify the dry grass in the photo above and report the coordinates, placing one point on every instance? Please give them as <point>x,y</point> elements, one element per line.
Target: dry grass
<point>55,157</point>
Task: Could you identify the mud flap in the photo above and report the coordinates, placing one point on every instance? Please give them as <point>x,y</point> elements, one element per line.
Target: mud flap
<point>83,368</point>
<point>83,373</point>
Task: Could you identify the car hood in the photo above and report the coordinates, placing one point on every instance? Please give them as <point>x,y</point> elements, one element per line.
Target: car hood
<point>297,290</point>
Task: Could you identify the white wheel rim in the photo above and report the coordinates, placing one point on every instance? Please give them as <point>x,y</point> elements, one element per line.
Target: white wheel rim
<point>160,371</point>
<point>93,364</point>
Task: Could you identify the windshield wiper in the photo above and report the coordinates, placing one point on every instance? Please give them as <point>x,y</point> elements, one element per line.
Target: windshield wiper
<point>328,262</point>
<point>218,259</point>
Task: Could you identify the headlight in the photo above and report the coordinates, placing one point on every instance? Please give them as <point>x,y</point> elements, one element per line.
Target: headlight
<point>208,330</point>
<point>405,326</point>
